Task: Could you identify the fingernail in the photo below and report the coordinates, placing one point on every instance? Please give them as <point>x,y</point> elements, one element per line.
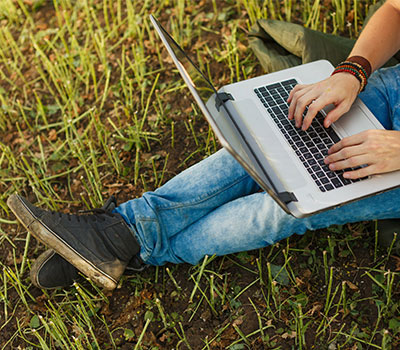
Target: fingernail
<point>346,175</point>
<point>332,166</point>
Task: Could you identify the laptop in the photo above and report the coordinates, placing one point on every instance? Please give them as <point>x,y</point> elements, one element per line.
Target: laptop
<point>250,120</point>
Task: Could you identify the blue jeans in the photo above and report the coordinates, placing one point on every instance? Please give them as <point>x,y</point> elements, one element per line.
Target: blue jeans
<point>215,207</point>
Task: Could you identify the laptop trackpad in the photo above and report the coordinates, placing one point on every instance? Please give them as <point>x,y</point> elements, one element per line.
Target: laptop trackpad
<point>351,123</point>
<point>269,146</point>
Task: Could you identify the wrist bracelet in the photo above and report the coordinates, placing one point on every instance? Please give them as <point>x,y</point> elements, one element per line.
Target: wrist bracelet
<point>357,66</point>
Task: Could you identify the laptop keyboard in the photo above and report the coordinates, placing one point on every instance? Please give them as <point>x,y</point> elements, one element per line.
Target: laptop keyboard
<point>311,146</point>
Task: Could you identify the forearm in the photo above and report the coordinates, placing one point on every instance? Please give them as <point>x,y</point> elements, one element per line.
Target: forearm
<point>380,39</point>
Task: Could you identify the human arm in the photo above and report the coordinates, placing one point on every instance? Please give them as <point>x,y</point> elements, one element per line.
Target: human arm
<point>379,150</point>
<point>378,41</point>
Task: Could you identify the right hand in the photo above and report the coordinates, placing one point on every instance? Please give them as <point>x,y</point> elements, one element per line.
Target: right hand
<point>340,89</point>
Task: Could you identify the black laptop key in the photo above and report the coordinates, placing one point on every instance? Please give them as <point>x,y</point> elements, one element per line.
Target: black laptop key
<point>289,82</point>
<point>273,86</point>
<point>335,138</point>
<point>336,182</point>
<point>309,144</point>
<point>322,188</point>
<point>303,150</point>
<point>324,180</point>
<point>329,187</point>
<point>318,156</point>
<point>331,174</point>
<point>277,110</point>
<point>312,135</point>
<point>308,155</point>
<point>315,168</point>
<point>317,140</point>
<point>326,168</point>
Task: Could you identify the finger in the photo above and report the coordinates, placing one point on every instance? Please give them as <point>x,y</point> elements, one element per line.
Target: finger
<point>345,153</point>
<point>352,162</point>
<point>301,105</point>
<point>360,173</point>
<point>347,142</point>
<point>335,114</point>
<point>294,90</point>
<point>294,102</point>
<point>313,109</point>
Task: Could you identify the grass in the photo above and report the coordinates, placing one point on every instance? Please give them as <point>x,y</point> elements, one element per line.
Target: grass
<point>89,108</point>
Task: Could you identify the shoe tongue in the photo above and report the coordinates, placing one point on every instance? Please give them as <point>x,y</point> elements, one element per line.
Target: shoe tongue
<point>110,204</point>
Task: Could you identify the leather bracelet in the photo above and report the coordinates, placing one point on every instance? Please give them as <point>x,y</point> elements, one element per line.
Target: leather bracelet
<point>363,62</point>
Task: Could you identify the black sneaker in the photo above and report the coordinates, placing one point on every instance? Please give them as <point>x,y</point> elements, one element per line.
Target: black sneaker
<point>99,244</point>
<point>50,270</point>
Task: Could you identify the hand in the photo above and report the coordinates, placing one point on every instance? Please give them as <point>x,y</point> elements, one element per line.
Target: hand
<point>340,89</point>
<point>379,150</point>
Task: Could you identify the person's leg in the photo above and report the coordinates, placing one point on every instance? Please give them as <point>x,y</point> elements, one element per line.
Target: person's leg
<point>157,216</point>
<point>256,221</point>
<point>382,96</point>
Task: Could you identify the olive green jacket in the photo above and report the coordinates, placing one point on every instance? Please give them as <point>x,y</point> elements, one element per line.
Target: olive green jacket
<point>279,45</point>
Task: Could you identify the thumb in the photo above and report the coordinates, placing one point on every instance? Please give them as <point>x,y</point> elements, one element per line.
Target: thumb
<point>336,113</point>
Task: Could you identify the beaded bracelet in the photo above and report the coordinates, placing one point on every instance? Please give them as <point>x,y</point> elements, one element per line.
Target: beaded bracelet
<point>357,66</point>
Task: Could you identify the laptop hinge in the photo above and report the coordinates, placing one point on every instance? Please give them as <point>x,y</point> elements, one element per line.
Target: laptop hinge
<point>222,98</point>
<point>287,197</point>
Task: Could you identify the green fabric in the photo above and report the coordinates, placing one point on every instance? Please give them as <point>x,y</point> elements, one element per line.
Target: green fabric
<point>279,45</point>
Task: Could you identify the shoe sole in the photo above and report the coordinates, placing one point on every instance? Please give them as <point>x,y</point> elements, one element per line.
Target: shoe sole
<point>48,237</point>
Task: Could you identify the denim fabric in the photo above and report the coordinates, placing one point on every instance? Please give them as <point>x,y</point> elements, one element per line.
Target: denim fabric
<point>215,207</point>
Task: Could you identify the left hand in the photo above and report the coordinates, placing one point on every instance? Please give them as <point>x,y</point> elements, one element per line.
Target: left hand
<point>378,150</point>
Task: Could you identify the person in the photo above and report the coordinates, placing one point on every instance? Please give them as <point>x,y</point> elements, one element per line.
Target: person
<point>215,207</point>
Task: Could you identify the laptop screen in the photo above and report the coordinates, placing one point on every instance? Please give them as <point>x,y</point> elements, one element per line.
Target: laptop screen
<point>222,122</point>
<point>198,80</point>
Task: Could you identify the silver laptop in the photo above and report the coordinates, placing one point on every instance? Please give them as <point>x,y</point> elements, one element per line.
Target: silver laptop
<point>250,120</point>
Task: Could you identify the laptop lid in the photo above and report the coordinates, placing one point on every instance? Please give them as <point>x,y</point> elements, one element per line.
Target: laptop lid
<point>225,128</point>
